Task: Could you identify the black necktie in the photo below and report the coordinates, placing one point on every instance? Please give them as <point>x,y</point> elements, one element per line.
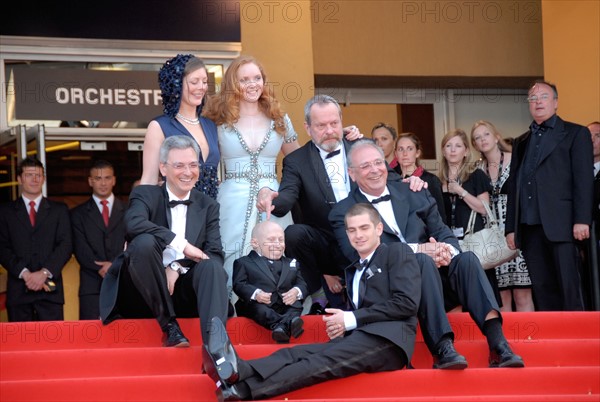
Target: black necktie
<point>380,199</point>
<point>537,128</point>
<point>332,154</point>
<point>174,203</point>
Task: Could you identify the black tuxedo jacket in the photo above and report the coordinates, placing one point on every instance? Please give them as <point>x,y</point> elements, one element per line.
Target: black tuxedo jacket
<point>252,272</point>
<point>92,241</point>
<point>149,213</point>
<point>416,213</point>
<point>47,245</point>
<point>564,178</point>
<point>390,293</point>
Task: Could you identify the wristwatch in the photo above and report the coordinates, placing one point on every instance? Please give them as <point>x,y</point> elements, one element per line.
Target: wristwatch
<point>463,194</point>
<point>177,267</point>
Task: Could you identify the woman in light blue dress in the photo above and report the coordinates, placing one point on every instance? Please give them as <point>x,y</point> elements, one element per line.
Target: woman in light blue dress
<point>252,131</point>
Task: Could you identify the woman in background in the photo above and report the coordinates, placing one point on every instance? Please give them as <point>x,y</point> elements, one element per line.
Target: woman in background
<point>513,278</point>
<point>408,151</point>
<point>464,188</point>
<point>183,82</point>
<point>385,136</point>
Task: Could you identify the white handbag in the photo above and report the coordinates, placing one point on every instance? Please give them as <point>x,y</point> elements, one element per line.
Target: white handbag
<point>488,244</point>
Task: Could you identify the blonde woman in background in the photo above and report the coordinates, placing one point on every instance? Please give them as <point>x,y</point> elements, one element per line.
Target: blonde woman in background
<point>464,188</point>
<point>513,278</point>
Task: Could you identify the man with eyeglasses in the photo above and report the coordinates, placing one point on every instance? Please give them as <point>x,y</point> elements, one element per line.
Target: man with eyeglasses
<point>35,244</point>
<point>550,200</point>
<point>314,176</point>
<point>449,277</point>
<point>173,264</point>
<point>98,236</point>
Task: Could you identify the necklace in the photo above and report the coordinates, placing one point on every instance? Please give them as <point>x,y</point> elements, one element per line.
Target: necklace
<point>188,120</point>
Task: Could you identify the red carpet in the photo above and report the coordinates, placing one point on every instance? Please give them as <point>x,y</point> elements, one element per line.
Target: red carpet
<point>85,361</point>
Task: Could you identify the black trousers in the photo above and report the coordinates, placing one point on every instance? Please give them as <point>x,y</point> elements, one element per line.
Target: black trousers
<point>89,307</point>
<point>297,367</point>
<point>318,254</point>
<point>143,292</point>
<point>265,315</point>
<point>463,282</point>
<point>39,310</point>
<point>554,270</point>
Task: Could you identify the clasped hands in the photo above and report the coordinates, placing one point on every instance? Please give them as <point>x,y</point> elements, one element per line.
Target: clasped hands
<point>440,252</point>
<point>288,297</point>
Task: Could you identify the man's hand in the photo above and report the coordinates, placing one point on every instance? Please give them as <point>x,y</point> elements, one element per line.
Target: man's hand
<point>263,297</point>
<point>34,280</point>
<point>104,266</point>
<point>334,323</point>
<point>334,283</point>
<point>510,241</point>
<point>264,200</point>
<point>352,133</point>
<point>581,231</point>
<point>415,183</point>
<point>172,277</point>
<point>290,296</point>
<point>440,252</point>
<point>194,253</point>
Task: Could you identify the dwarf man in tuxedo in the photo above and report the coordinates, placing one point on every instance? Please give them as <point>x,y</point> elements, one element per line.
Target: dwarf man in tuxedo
<point>173,264</point>
<point>98,236</point>
<point>378,334</point>
<point>35,244</point>
<point>449,277</point>
<point>550,199</point>
<point>269,285</point>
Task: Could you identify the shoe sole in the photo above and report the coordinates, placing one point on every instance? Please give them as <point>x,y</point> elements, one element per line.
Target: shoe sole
<point>218,347</point>
<point>218,373</point>
<point>452,366</point>
<point>297,327</point>
<point>515,363</point>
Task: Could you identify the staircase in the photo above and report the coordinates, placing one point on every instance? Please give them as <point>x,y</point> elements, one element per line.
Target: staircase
<point>124,361</point>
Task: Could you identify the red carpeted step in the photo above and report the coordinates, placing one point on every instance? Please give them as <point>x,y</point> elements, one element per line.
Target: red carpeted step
<point>79,363</point>
<point>419,384</point>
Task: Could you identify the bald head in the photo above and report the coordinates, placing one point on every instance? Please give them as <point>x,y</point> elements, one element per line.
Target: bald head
<point>268,240</point>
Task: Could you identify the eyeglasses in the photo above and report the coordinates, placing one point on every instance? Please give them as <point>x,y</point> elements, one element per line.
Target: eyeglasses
<point>367,165</point>
<point>33,175</point>
<point>182,166</point>
<point>535,98</point>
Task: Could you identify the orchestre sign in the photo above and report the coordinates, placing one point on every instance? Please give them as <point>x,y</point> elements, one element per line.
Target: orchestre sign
<point>73,94</point>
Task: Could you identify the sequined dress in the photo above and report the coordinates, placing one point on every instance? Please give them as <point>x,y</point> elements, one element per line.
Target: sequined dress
<point>208,177</point>
<point>246,172</point>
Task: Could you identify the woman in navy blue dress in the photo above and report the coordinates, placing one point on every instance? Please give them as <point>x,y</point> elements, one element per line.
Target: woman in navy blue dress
<point>183,82</point>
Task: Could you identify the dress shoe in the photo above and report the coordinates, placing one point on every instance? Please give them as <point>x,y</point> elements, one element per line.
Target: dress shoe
<point>296,327</point>
<point>173,337</point>
<point>447,358</point>
<point>280,335</point>
<point>503,356</point>
<point>232,393</point>
<point>316,309</point>
<point>219,357</point>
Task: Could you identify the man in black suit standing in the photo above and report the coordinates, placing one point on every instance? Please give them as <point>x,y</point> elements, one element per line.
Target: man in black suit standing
<point>449,277</point>
<point>173,264</point>
<point>269,285</point>
<point>378,334</point>
<point>550,200</point>
<point>98,236</point>
<point>35,244</point>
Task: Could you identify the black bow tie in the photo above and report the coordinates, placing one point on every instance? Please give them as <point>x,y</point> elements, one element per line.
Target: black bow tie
<point>362,264</point>
<point>380,199</point>
<point>535,128</point>
<point>332,154</point>
<point>174,203</point>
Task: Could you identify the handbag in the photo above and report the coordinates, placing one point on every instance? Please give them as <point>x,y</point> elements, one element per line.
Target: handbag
<point>488,244</point>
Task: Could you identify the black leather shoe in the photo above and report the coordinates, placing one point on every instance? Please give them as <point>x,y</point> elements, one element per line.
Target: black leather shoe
<point>280,335</point>
<point>316,309</point>
<point>219,357</point>
<point>503,356</point>
<point>296,327</point>
<point>232,393</point>
<point>173,337</point>
<point>447,357</point>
